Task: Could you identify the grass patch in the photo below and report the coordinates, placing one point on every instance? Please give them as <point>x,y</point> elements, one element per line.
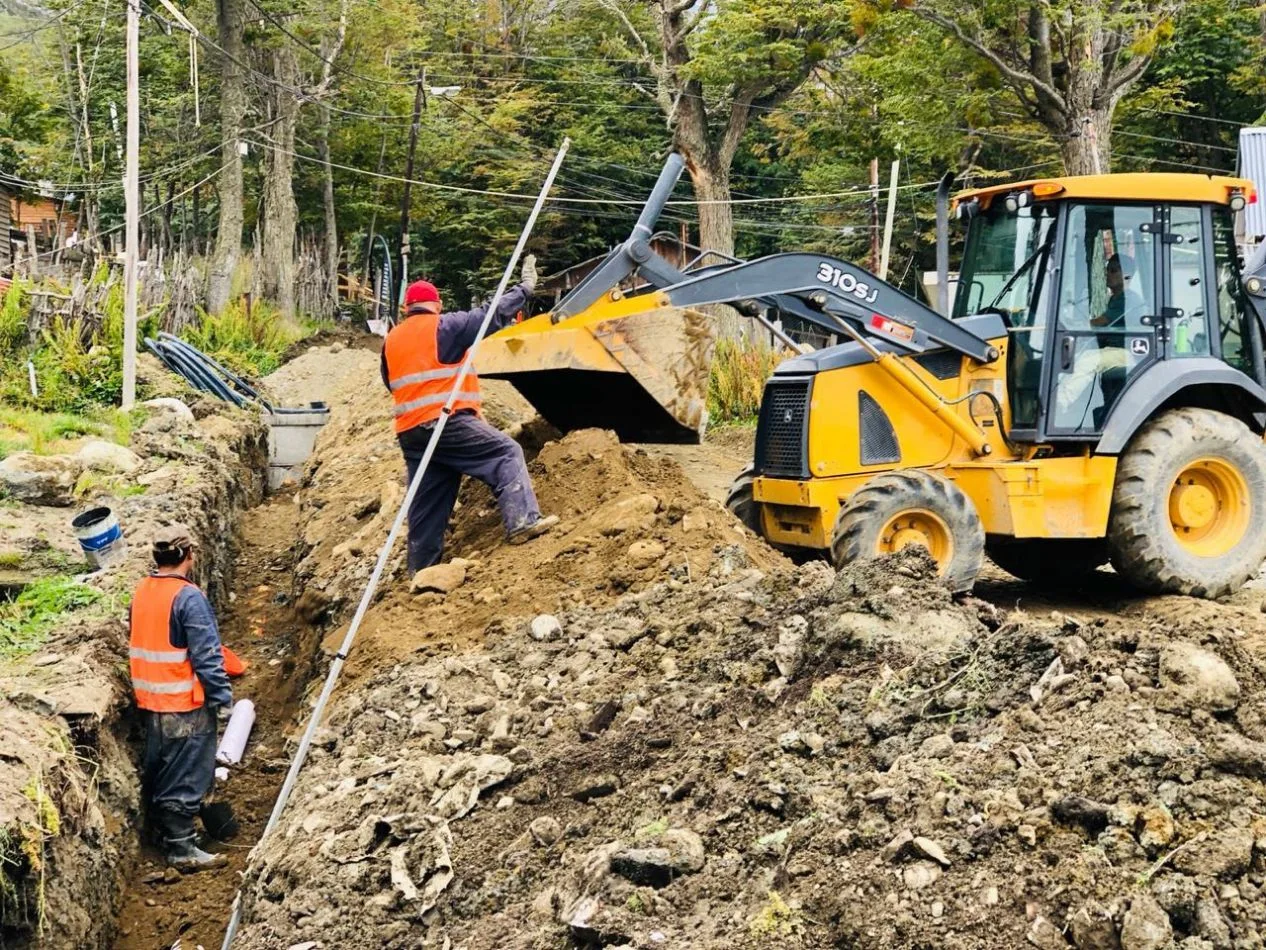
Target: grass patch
<point>737,380</point>
<point>47,433</point>
<point>26,620</point>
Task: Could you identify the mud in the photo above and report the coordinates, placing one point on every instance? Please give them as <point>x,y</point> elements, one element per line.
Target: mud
<point>627,515</point>
<point>646,729</point>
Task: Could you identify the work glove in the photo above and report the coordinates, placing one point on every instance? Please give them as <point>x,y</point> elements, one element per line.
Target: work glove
<point>528,277</point>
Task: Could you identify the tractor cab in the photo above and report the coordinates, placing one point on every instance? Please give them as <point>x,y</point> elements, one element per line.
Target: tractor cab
<point>1114,290</point>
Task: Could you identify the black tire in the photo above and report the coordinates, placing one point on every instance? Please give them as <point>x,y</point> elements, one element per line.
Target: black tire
<point>741,503</point>
<point>880,502</point>
<point>1049,562</point>
<point>1149,541</point>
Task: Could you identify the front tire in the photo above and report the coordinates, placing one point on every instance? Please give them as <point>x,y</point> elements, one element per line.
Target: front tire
<point>895,510</point>
<point>742,505</point>
<point>1189,505</point>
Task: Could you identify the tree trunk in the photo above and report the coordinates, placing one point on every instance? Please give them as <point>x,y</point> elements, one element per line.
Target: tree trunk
<point>228,235</point>
<point>1086,142</point>
<point>169,206</point>
<point>331,217</point>
<point>716,217</point>
<point>280,213</point>
<point>195,243</point>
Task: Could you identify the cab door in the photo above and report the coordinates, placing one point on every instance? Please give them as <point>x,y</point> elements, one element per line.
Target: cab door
<point>1108,311</point>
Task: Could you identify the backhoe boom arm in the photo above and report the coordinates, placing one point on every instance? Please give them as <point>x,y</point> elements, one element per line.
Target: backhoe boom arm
<point>841,290</point>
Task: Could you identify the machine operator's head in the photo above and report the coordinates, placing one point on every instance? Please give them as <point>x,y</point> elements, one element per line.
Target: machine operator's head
<point>173,547</point>
<point>1117,270</point>
<point>421,297</point>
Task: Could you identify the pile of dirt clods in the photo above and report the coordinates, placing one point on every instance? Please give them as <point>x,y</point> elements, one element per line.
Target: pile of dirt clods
<point>733,758</point>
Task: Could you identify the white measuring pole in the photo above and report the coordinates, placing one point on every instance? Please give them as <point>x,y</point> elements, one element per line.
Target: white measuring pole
<point>892,208</point>
<point>132,201</point>
<point>341,656</point>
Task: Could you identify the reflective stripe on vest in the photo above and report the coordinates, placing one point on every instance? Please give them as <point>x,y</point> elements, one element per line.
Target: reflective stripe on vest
<point>420,383</point>
<point>162,675</point>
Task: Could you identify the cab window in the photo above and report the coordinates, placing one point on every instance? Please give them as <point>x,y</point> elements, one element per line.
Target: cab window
<point>1231,310</point>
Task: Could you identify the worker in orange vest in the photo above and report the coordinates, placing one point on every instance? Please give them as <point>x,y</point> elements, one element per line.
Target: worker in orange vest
<point>421,359</point>
<point>178,676</point>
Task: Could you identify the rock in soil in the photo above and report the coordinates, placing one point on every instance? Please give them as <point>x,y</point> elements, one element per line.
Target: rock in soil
<point>40,479</point>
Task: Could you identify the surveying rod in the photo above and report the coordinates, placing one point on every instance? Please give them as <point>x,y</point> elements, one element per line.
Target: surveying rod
<point>341,656</point>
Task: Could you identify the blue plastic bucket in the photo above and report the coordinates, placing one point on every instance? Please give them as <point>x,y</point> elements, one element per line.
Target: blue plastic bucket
<point>100,537</point>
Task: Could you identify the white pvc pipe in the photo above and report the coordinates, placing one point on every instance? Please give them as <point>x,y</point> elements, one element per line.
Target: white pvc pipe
<point>318,709</point>
<point>236,733</point>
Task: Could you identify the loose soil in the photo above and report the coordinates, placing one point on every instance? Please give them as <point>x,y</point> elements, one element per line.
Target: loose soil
<point>646,729</point>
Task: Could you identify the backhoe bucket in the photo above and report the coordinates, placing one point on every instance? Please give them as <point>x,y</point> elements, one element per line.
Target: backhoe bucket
<point>640,372</point>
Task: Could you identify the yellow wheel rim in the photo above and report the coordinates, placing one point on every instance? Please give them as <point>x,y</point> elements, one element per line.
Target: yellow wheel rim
<point>917,526</point>
<point>1209,507</point>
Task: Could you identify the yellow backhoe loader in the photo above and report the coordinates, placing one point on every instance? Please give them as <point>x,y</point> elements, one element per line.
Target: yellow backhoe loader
<point>1097,395</point>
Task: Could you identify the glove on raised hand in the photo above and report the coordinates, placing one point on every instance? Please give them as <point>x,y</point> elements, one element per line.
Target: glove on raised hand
<point>528,277</point>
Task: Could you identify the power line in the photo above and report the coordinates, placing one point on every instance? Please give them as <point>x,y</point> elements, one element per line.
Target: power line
<point>42,25</point>
<point>1169,141</point>
<point>153,208</point>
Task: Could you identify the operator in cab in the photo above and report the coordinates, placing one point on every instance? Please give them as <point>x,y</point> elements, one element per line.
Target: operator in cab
<point>178,675</point>
<point>1123,303</point>
<point>421,361</point>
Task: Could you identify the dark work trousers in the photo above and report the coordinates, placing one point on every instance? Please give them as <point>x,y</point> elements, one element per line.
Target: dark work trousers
<point>179,764</point>
<point>468,446</point>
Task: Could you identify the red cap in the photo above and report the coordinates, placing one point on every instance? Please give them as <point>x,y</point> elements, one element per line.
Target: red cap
<point>421,292</point>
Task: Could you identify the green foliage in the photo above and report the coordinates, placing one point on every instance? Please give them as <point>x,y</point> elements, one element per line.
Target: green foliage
<point>13,315</point>
<point>737,381</point>
<point>45,433</point>
<point>248,341</point>
<point>27,619</point>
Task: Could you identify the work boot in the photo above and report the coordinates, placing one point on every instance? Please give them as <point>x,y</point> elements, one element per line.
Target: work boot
<point>180,846</point>
<point>186,857</point>
<point>537,528</point>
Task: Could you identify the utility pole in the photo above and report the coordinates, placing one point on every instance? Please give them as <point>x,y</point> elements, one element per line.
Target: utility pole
<point>888,217</point>
<point>132,201</point>
<point>874,215</point>
<point>419,101</point>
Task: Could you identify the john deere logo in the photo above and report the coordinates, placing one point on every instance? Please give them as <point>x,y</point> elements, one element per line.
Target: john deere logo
<point>786,416</point>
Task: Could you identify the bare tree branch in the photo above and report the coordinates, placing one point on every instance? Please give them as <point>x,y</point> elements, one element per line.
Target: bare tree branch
<point>1017,77</point>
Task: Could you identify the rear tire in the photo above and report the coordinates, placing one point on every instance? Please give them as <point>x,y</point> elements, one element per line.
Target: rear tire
<point>1049,562</point>
<point>1189,505</point>
<point>892,511</point>
<point>742,505</point>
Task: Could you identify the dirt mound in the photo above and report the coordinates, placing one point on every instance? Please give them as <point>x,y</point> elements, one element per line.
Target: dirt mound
<point>314,375</point>
<point>795,759</point>
<point>628,519</point>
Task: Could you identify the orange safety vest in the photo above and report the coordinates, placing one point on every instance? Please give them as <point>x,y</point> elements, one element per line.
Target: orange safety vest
<point>420,383</point>
<point>162,676</point>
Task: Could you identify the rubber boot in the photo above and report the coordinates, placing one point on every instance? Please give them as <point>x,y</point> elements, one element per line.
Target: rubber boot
<point>180,846</point>
<point>186,857</point>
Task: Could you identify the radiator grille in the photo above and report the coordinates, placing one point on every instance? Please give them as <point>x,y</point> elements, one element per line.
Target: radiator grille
<point>943,364</point>
<point>879,441</point>
<point>782,432</point>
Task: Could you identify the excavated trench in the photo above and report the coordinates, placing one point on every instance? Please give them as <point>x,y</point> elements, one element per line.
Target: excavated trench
<point>259,623</point>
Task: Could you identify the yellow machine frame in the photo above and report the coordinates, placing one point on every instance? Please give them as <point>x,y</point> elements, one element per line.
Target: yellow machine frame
<point>957,427</point>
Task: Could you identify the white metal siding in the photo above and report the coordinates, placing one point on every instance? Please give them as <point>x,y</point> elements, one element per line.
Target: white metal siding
<point>1251,164</point>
